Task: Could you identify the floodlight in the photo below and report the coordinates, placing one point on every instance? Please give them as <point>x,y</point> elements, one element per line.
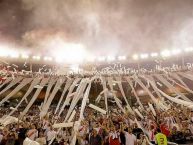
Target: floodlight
<point>47,58</point>
<point>90,58</point>
<point>13,54</point>
<point>144,56</point>
<point>154,54</point>
<point>70,53</point>
<point>24,56</point>
<point>121,58</point>
<point>176,51</point>
<point>4,51</point>
<point>166,53</point>
<point>189,49</point>
<point>110,58</point>
<point>135,57</point>
<point>101,58</point>
<point>36,57</point>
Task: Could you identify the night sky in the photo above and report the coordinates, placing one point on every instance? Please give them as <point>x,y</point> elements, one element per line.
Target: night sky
<point>103,26</point>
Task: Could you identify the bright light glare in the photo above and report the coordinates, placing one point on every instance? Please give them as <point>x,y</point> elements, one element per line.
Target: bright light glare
<point>70,53</point>
<point>121,57</point>
<point>154,54</point>
<point>110,58</point>
<point>24,56</point>
<point>176,51</point>
<point>47,58</point>
<point>135,57</point>
<point>13,54</point>
<point>90,58</point>
<point>144,56</point>
<point>74,68</point>
<point>3,51</point>
<point>189,49</point>
<point>36,57</point>
<point>101,58</point>
<point>166,53</point>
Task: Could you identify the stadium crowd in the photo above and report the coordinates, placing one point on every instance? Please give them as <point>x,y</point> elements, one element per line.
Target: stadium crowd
<point>96,129</point>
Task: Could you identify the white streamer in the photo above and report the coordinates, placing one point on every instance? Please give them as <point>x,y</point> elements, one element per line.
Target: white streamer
<point>43,82</point>
<point>152,109</point>
<point>75,100</point>
<point>134,92</point>
<point>138,113</point>
<point>103,81</point>
<point>97,108</point>
<point>72,116</point>
<point>67,100</point>
<point>52,95</point>
<point>115,97</point>
<point>5,82</point>
<point>20,86</point>
<point>67,85</point>
<point>178,101</point>
<point>12,83</point>
<point>34,82</point>
<point>50,84</point>
<point>123,94</point>
<point>165,82</point>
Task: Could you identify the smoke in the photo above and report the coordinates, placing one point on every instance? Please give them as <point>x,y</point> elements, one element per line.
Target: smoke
<point>108,26</point>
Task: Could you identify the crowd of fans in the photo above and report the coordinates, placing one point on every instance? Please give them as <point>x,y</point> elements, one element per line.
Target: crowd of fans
<point>96,129</point>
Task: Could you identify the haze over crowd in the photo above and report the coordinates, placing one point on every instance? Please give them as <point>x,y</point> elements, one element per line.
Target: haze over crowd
<point>108,25</point>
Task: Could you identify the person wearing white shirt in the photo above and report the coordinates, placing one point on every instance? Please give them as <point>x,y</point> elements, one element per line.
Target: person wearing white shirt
<point>51,134</point>
<point>41,139</point>
<point>130,138</point>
